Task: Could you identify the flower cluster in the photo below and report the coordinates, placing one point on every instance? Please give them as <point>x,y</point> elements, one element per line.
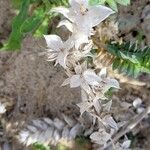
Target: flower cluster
<point>73,55</point>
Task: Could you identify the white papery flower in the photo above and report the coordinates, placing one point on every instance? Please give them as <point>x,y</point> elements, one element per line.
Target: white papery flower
<point>79,35</point>
<point>47,131</point>
<point>57,49</point>
<point>77,79</point>
<point>100,83</point>
<point>84,106</point>
<point>82,13</point>
<point>81,53</point>
<point>84,18</point>
<point>101,137</point>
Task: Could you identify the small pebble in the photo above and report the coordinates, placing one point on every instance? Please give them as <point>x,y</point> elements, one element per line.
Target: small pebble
<point>137,102</point>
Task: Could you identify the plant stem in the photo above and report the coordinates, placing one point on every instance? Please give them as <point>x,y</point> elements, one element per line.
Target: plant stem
<point>128,127</point>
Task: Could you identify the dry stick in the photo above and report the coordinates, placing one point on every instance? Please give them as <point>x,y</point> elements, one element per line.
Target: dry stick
<point>129,126</point>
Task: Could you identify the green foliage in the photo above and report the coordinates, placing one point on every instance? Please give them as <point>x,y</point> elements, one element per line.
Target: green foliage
<point>130,59</point>
<point>39,146</point>
<point>82,143</point>
<point>111,3</point>
<point>61,147</point>
<point>16,36</point>
<point>110,93</point>
<point>43,28</point>
<point>35,22</point>
<point>16,3</point>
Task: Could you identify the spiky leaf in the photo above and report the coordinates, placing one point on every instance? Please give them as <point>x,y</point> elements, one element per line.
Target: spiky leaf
<point>130,59</point>
<point>16,36</point>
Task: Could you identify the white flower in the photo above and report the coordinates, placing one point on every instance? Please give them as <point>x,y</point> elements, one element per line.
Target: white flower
<point>101,137</point>
<point>79,35</point>
<point>57,49</point>
<point>84,106</point>
<point>100,83</point>
<point>76,80</point>
<point>81,13</point>
<point>84,18</point>
<point>79,54</point>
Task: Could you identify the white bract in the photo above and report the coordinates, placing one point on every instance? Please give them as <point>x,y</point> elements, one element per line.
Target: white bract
<point>100,83</point>
<point>100,80</point>
<point>84,18</point>
<point>84,106</point>
<point>72,55</point>
<point>81,53</point>
<point>57,49</point>
<point>101,137</point>
<point>76,80</point>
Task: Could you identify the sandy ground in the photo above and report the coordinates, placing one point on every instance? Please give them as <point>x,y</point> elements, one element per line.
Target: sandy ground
<point>34,85</point>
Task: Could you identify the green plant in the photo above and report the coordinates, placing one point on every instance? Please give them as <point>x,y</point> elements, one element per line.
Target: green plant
<point>111,3</point>
<point>130,59</point>
<point>39,146</point>
<point>98,113</point>
<point>33,21</point>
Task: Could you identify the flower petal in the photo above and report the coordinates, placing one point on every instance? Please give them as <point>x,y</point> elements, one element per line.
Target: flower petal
<point>91,78</point>
<point>68,13</point>
<point>78,69</point>
<point>100,137</point>
<point>67,81</point>
<point>113,83</point>
<point>61,59</point>
<point>54,42</point>
<point>103,73</point>
<point>84,106</point>
<point>97,14</point>
<point>75,81</point>
<point>79,38</point>
<point>85,87</point>
<point>77,4</point>
<point>68,45</point>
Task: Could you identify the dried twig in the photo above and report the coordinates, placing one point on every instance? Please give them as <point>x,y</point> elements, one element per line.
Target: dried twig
<point>129,126</point>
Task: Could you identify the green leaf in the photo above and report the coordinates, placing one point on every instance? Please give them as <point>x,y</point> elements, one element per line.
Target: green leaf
<point>34,21</point>
<point>112,4</point>
<point>15,38</point>
<point>129,59</point>
<point>43,28</point>
<point>96,2</point>
<point>39,146</point>
<point>123,2</point>
<point>16,3</point>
